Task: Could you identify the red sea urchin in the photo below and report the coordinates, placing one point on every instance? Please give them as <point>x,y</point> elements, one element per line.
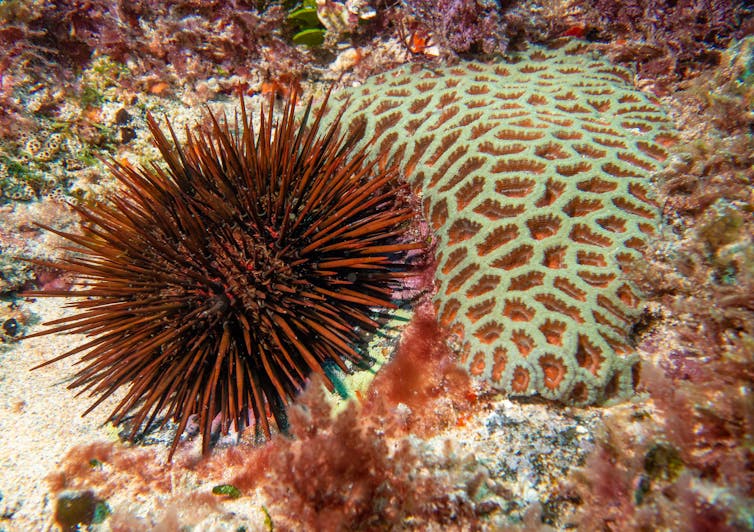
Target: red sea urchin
<point>217,285</point>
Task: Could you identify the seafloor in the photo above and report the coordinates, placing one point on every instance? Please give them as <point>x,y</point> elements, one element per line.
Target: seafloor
<point>418,446</point>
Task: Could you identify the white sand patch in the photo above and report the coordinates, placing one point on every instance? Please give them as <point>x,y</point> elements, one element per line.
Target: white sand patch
<point>40,420</point>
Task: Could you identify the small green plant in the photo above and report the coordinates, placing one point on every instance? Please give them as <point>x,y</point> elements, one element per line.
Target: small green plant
<point>90,96</point>
<point>227,490</point>
<point>310,30</point>
<point>267,520</point>
<point>101,76</point>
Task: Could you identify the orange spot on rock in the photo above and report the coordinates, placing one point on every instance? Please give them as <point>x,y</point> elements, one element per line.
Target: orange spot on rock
<point>159,88</point>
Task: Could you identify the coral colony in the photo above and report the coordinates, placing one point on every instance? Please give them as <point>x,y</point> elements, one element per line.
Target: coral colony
<point>534,176</point>
<point>215,285</point>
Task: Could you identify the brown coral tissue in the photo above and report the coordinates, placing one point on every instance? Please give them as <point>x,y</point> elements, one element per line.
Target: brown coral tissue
<point>216,284</point>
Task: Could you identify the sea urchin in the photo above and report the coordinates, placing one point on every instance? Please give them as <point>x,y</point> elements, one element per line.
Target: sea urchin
<point>216,284</point>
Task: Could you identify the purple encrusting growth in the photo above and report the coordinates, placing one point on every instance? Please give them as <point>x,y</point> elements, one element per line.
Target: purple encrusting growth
<point>667,40</point>
<point>182,35</point>
<point>461,25</point>
<point>182,43</point>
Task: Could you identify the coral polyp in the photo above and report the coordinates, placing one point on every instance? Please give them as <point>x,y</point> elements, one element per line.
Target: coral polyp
<point>217,283</point>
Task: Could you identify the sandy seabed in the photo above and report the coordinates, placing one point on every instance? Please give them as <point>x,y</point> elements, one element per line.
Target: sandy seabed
<point>40,421</point>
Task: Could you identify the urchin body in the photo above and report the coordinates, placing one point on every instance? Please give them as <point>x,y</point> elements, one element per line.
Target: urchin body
<point>216,284</point>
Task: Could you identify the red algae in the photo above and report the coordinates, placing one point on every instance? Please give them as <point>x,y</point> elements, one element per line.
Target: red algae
<point>423,377</point>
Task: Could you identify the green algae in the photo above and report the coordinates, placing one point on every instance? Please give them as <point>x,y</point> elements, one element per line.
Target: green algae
<point>227,490</point>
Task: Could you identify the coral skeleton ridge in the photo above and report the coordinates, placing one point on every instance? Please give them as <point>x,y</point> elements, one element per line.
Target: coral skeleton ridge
<point>534,172</point>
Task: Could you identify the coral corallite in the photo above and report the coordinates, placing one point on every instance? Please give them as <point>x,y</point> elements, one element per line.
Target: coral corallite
<point>215,285</point>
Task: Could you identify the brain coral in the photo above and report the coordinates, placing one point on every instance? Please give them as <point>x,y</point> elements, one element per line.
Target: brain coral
<point>534,173</point>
